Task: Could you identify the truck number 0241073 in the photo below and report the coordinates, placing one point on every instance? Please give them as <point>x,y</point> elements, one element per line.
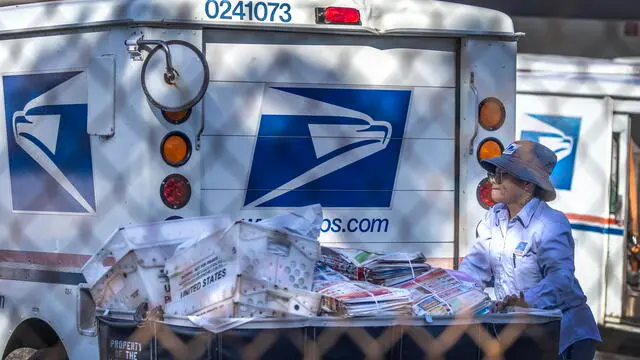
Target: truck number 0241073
<point>249,10</point>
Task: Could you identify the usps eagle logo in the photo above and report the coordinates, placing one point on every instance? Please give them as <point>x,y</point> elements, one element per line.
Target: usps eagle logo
<point>511,149</point>
<point>49,149</point>
<point>338,147</point>
<point>560,134</point>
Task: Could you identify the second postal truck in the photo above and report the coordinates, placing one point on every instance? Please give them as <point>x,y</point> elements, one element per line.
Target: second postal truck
<point>584,109</point>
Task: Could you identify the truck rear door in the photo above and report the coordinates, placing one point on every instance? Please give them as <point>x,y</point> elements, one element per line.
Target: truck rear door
<point>363,125</point>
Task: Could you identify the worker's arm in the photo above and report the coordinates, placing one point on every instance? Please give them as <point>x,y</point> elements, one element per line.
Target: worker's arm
<point>558,288</point>
<point>477,263</point>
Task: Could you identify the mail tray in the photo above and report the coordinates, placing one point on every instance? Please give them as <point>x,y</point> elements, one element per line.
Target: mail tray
<point>129,269</point>
<point>205,273</point>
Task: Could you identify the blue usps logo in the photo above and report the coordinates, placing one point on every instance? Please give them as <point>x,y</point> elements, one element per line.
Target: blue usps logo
<point>560,134</point>
<point>49,148</point>
<point>519,250</point>
<point>335,147</point>
<point>511,149</point>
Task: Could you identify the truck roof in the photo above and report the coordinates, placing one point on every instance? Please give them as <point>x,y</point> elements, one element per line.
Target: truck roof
<point>619,78</point>
<point>378,16</point>
<point>578,65</point>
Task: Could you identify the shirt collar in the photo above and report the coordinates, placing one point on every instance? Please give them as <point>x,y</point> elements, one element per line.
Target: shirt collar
<point>524,216</point>
<point>526,213</point>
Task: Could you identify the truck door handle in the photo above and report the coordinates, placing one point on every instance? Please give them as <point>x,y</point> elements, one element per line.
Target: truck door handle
<point>474,90</point>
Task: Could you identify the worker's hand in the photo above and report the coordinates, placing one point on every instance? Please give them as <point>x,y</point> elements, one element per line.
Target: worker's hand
<point>511,300</point>
<point>494,307</point>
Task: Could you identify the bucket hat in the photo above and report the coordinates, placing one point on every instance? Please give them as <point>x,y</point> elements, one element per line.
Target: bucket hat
<point>528,161</point>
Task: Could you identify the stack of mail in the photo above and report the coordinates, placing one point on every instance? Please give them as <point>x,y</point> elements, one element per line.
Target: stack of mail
<point>353,299</point>
<point>324,274</point>
<point>382,269</point>
<point>446,292</point>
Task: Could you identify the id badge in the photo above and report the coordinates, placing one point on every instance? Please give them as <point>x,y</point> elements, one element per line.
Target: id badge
<point>521,248</point>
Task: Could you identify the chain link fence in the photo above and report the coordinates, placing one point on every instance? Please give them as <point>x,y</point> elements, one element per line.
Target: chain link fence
<point>461,338</point>
<point>116,172</point>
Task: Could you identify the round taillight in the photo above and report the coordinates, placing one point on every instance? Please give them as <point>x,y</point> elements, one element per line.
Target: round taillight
<point>491,114</point>
<point>175,191</point>
<point>489,148</point>
<point>176,117</point>
<point>176,149</point>
<point>484,194</point>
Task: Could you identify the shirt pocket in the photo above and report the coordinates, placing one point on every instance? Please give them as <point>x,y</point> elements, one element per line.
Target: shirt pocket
<point>527,271</point>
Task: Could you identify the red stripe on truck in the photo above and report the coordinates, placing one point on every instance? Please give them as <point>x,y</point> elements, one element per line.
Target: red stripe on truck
<point>591,218</point>
<point>44,258</point>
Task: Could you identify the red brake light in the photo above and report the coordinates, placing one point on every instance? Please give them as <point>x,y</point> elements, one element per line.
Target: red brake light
<point>484,194</point>
<point>175,191</point>
<point>338,15</point>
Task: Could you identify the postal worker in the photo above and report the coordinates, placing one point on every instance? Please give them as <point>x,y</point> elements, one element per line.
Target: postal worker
<point>525,249</point>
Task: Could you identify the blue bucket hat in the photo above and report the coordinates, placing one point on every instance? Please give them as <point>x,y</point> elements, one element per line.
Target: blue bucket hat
<point>528,161</point>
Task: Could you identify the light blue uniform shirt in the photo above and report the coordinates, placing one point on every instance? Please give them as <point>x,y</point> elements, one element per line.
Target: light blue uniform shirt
<point>533,253</point>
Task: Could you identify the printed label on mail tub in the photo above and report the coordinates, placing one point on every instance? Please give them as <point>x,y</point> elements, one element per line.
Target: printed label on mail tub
<point>202,275</point>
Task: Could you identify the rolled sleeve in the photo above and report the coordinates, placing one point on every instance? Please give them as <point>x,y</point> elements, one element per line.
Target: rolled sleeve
<point>556,290</point>
<point>478,262</point>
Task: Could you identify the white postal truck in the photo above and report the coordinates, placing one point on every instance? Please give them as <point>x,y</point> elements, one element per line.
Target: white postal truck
<point>127,112</point>
<point>582,109</point>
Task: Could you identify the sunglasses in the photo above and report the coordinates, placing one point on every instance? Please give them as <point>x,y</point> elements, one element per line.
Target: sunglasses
<point>496,177</point>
